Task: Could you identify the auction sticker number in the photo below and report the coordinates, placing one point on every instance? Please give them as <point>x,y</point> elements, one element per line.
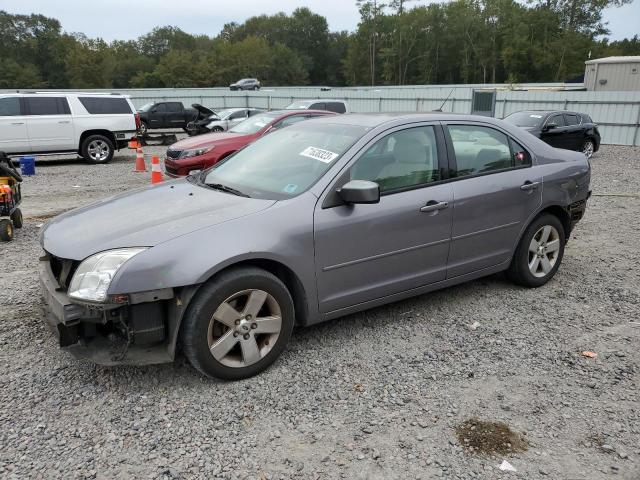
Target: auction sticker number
<point>319,154</point>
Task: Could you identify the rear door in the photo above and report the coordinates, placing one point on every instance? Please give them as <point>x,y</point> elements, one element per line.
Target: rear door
<point>237,117</point>
<point>13,126</point>
<point>554,131</point>
<point>496,189</point>
<point>49,124</point>
<point>575,132</point>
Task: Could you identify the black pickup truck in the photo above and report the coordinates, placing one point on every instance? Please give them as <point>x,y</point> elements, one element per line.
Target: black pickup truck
<point>169,115</point>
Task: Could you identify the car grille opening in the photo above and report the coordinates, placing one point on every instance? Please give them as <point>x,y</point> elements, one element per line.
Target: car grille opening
<point>173,153</point>
<point>63,270</point>
<point>171,170</point>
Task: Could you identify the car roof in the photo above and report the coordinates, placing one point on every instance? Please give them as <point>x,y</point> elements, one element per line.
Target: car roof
<point>371,120</point>
<point>288,113</point>
<point>316,100</point>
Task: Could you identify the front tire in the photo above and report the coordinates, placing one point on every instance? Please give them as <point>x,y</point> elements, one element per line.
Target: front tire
<point>16,218</point>
<point>539,252</point>
<point>238,324</point>
<point>6,230</point>
<point>97,149</point>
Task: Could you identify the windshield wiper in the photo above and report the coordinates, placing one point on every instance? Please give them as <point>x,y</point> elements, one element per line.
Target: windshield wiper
<point>225,188</point>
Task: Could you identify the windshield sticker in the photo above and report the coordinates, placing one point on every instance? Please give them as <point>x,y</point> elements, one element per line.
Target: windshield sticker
<point>319,154</point>
<point>290,188</point>
<point>535,116</point>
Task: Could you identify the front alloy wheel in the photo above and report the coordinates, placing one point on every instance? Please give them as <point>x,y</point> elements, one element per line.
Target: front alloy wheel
<point>238,323</point>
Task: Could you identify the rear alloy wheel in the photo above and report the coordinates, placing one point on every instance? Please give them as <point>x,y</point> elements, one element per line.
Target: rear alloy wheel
<point>97,149</point>
<point>238,324</point>
<point>6,230</point>
<point>143,129</point>
<point>539,252</point>
<point>588,147</point>
<point>217,129</point>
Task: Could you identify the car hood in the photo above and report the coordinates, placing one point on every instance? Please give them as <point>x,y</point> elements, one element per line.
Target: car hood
<point>202,109</point>
<point>206,140</point>
<point>143,218</point>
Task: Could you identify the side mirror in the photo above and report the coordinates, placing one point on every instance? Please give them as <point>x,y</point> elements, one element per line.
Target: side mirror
<point>360,191</point>
<point>550,126</point>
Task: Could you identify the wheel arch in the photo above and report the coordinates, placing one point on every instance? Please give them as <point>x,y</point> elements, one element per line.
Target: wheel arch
<point>87,133</point>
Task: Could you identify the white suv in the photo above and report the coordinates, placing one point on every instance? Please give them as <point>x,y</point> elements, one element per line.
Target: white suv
<point>93,125</point>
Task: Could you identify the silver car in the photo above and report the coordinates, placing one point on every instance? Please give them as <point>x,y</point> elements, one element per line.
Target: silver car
<point>322,219</point>
<point>230,117</point>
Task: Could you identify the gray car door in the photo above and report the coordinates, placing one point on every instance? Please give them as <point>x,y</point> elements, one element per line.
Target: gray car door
<point>496,189</point>
<point>365,252</point>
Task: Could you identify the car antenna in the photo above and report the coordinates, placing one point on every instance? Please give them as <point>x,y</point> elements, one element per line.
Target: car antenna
<point>445,101</point>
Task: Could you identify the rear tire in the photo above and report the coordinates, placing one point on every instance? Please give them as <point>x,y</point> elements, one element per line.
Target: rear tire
<point>588,148</point>
<point>539,253</point>
<point>221,320</point>
<point>97,149</point>
<point>6,230</point>
<point>16,218</point>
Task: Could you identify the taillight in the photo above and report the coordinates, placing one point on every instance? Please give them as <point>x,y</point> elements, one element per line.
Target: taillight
<point>137,117</point>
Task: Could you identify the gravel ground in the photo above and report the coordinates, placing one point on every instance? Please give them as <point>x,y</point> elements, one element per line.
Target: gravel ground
<point>373,395</point>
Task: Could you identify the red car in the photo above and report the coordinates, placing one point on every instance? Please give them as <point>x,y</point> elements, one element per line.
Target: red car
<point>203,151</point>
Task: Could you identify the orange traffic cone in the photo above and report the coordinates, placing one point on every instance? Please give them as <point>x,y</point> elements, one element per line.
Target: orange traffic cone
<point>133,144</point>
<point>156,172</point>
<point>140,165</point>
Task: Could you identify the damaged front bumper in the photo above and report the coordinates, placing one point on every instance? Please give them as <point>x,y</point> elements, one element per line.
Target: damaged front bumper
<point>140,331</point>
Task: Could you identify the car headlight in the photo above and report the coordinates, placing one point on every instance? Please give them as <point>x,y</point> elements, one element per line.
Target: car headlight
<point>196,152</point>
<point>93,277</point>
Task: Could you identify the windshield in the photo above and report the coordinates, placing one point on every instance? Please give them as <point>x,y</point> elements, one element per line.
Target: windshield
<point>254,124</point>
<point>146,107</point>
<point>298,106</point>
<point>284,163</point>
<point>525,119</point>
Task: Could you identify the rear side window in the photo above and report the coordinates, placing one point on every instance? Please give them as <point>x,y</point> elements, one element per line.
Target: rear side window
<point>557,119</point>
<point>571,119</point>
<point>47,106</point>
<point>318,106</point>
<point>174,107</point>
<point>105,105</point>
<point>9,107</point>
<point>480,149</point>
<point>336,107</point>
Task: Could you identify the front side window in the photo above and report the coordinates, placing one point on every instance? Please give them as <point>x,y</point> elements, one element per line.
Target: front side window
<point>403,159</point>
<point>9,107</point>
<point>558,120</point>
<point>479,149</point>
<point>285,163</point>
<point>47,106</point>
<point>159,108</point>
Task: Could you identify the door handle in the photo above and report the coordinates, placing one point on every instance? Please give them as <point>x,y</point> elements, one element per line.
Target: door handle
<point>17,123</point>
<point>528,185</point>
<point>64,121</point>
<point>433,206</point>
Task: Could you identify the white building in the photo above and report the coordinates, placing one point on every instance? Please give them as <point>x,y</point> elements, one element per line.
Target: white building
<point>613,74</point>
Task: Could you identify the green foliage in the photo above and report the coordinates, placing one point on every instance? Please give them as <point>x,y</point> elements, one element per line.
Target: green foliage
<point>395,42</point>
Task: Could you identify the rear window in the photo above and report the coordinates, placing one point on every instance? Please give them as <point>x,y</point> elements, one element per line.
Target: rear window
<point>105,105</point>
<point>47,106</point>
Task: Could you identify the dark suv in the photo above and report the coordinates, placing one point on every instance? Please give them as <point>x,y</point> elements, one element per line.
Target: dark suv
<point>560,129</point>
<point>246,84</point>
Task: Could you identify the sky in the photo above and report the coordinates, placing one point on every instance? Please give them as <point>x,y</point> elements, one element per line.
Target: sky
<point>126,19</point>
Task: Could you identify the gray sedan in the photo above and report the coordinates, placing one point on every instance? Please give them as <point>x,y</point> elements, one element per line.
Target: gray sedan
<point>322,219</point>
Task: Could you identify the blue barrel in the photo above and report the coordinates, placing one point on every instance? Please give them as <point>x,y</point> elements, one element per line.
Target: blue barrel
<point>28,165</point>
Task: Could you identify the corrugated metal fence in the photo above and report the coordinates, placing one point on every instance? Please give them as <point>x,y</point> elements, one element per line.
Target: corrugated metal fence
<point>617,113</point>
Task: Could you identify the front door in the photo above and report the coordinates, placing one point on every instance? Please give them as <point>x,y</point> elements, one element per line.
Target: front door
<point>13,126</point>
<point>175,116</point>
<point>50,124</point>
<point>495,190</point>
<point>555,132</point>
<point>365,252</point>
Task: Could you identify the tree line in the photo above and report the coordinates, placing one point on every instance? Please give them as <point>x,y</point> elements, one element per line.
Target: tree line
<point>396,42</point>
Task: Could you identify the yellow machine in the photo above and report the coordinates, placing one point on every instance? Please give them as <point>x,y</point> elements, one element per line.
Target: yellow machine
<point>10,197</point>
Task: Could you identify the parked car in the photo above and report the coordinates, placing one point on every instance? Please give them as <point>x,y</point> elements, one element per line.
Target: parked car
<point>560,129</point>
<point>337,106</point>
<point>246,84</point>
<point>197,153</point>
<point>93,125</point>
<point>230,117</point>
<point>156,115</point>
<point>325,218</point>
